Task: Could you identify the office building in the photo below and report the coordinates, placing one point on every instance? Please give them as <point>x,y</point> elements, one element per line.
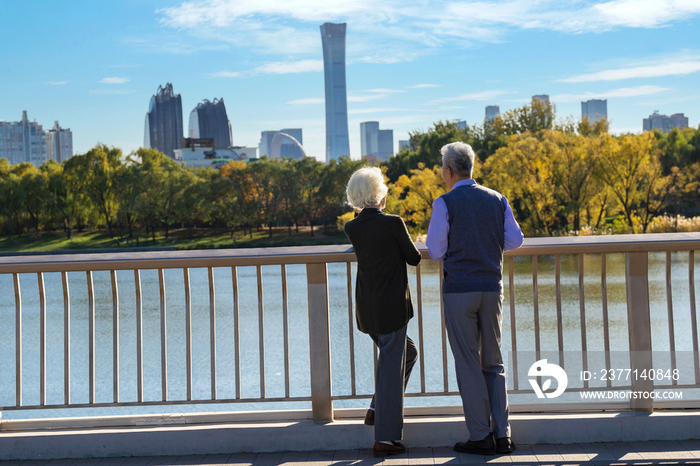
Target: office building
<point>664,123</point>
<point>59,143</point>
<point>375,141</point>
<point>245,153</point>
<point>209,120</point>
<point>337,141</point>
<point>371,159</point>
<point>289,147</point>
<point>369,134</point>
<point>542,97</point>
<point>23,141</point>
<point>163,127</point>
<point>594,110</point>
<point>461,124</point>
<point>202,152</point>
<point>403,144</point>
<point>492,111</point>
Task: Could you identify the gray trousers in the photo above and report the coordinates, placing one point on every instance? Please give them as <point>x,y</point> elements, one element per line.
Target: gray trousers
<point>393,369</point>
<point>473,322</point>
<point>411,359</point>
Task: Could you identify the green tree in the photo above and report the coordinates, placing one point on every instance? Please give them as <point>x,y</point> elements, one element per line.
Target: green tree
<point>309,173</point>
<point>99,171</point>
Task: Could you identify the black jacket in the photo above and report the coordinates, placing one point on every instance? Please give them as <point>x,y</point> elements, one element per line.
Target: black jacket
<point>383,247</point>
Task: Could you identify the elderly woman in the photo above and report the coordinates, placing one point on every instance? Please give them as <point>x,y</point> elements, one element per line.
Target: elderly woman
<point>383,247</point>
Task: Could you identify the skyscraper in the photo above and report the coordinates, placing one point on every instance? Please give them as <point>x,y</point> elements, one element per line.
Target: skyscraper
<point>404,144</point>
<point>594,110</point>
<point>375,141</point>
<point>23,141</point>
<point>59,143</point>
<point>542,97</point>
<point>163,128</point>
<point>209,120</point>
<point>664,123</point>
<point>337,142</point>
<point>492,111</point>
<point>369,134</point>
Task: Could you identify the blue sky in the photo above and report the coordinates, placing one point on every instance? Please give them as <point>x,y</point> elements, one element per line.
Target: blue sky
<point>94,65</point>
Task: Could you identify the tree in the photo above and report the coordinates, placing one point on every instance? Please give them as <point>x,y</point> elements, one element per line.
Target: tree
<point>290,193</point>
<point>99,171</point>
<point>64,200</point>
<point>310,180</point>
<point>531,118</point>
<point>522,172</point>
<point>332,194</point>
<point>412,196</point>
<point>573,161</point>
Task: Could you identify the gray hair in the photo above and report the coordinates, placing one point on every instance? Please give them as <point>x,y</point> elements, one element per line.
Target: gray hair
<point>366,187</point>
<point>459,157</point>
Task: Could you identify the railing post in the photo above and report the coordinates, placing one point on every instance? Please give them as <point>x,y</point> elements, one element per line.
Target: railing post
<point>319,342</point>
<point>637,266</point>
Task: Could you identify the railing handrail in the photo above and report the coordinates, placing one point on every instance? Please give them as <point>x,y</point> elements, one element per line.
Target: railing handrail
<point>324,254</point>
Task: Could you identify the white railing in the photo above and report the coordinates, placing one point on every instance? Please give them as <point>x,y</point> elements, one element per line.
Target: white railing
<point>316,260</point>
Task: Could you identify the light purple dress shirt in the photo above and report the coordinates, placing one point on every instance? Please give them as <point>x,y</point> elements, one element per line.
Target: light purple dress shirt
<point>440,227</point>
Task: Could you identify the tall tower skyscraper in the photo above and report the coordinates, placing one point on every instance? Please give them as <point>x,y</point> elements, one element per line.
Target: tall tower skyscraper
<point>163,128</point>
<point>542,97</point>
<point>594,109</point>
<point>209,120</point>
<point>337,142</point>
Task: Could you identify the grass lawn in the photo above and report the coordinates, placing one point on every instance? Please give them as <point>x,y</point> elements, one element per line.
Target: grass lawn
<point>178,239</point>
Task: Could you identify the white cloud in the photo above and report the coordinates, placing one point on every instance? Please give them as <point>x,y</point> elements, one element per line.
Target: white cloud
<point>307,101</point>
<point>278,67</point>
<point>423,86</point>
<point>57,83</point>
<point>478,96</point>
<point>115,80</point>
<point>393,31</point>
<point>615,93</point>
<point>285,67</point>
<point>226,74</point>
<point>652,71</point>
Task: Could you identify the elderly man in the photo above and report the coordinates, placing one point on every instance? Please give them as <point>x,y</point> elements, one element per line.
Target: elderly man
<point>470,228</point>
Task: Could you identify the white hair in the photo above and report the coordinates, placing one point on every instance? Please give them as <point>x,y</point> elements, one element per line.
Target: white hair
<point>366,187</point>
<point>459,157</point>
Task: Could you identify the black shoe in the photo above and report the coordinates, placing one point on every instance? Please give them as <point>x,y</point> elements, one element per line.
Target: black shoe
<point>369,417</point>
<point>382,449</point>
<point>504,445</point>
<point>479,447</point>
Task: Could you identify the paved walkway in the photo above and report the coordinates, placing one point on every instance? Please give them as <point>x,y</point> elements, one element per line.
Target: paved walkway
<point>633,453</point>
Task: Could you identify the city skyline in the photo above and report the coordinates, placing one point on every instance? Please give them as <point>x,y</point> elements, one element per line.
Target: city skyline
<point>28,141</point>
<point>427,64</point>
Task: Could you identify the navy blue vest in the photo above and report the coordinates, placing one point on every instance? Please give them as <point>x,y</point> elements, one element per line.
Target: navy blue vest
<point>474,259</point>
